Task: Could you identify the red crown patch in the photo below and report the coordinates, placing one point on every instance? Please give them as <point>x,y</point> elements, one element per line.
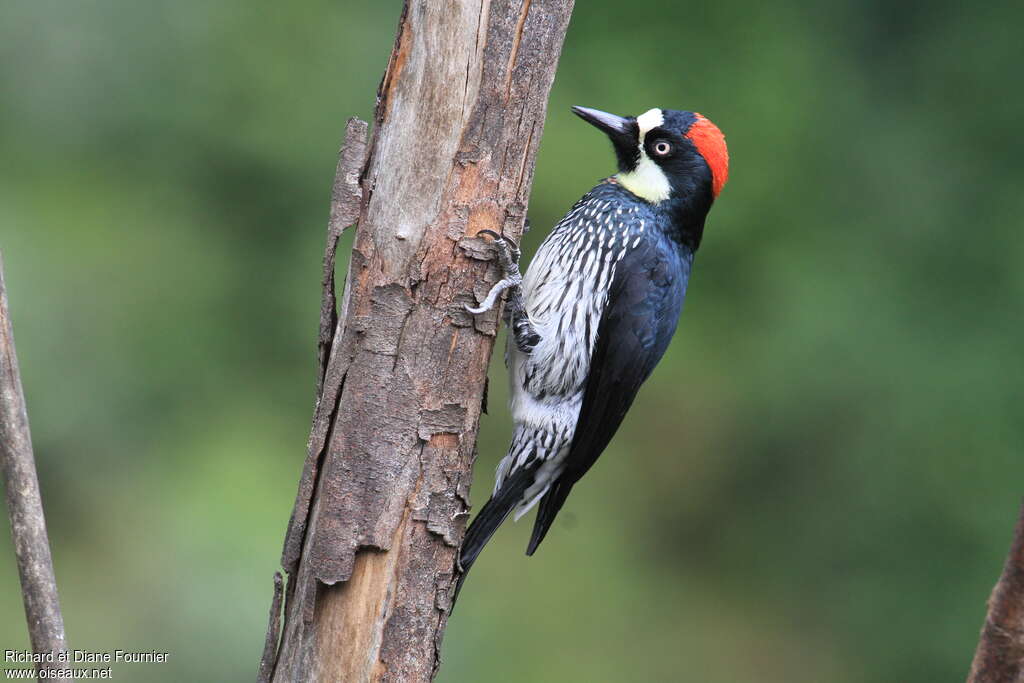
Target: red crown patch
<point>710,142</point>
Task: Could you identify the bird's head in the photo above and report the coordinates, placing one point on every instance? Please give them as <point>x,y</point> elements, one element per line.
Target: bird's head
<point>665,153</point>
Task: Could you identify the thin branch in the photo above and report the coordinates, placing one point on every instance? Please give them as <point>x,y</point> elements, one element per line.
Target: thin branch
<point>1000,654</point>
<point>24,504</point>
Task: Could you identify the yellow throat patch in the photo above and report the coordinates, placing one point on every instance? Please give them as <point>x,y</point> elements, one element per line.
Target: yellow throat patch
<point>647,180</point>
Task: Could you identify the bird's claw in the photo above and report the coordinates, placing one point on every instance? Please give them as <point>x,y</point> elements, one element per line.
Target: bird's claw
<point>492,296</point>
<point>508,255</point>
<point>508,251</point>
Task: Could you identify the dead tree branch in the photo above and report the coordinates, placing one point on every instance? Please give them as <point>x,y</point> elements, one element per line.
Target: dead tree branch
<point>24,503</point>
<point>371,546</point>
<point>1000,654</point>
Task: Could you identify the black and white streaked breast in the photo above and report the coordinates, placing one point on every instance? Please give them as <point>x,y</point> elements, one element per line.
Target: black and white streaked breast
<point>566,290</point>
<point>567,285</point>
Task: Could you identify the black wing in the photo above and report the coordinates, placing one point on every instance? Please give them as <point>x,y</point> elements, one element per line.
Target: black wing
<point>637,324</point>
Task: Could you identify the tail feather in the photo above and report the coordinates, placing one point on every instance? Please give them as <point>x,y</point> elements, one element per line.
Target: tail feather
<point>490,517</point>
<point>550,504</point>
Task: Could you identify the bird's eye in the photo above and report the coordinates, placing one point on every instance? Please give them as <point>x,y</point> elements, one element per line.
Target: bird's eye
<point>662,148</point>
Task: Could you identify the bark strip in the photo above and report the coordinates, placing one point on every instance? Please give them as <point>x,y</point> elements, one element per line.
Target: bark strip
<point>383,499</point>
<point>25,504</point>
<point>346,203</point>
<point>273,632</point>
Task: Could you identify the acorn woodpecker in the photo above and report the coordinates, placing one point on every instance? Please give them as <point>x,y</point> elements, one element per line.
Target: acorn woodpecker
<point>597,308</point>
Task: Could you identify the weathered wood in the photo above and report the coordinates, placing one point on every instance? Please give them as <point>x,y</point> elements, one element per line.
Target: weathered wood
<point>384,497</point>
<point>1000,654</point>
<point>25,504</point>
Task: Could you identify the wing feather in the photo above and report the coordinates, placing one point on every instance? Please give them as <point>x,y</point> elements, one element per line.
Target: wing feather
<point>637,324</point>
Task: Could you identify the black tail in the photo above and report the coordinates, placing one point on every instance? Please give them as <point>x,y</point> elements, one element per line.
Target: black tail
<point>490,517</point>
<point>550,504</point>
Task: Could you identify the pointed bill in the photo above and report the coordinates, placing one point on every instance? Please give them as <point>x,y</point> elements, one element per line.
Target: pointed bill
<point>609,123</point>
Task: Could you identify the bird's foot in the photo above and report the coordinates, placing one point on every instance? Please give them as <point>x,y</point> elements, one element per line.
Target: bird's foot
<point>522,331</point>
<point>508,260</point>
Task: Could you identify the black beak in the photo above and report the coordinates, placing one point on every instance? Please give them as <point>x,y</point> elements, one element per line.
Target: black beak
<point>623,132</point>
<point>610,123</point>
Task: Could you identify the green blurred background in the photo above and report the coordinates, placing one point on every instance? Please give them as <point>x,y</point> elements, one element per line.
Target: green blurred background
<point>819,482</point>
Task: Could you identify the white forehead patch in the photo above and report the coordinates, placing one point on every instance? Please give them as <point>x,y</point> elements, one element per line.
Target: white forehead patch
<point>647,180</point>
<point>649,120</point>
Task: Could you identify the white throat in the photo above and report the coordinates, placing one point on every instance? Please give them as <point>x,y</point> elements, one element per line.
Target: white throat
<point>647,180</point>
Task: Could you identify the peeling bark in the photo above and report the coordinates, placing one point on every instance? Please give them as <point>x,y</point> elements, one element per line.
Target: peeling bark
<point>273,631</point>
<point>381,509</point>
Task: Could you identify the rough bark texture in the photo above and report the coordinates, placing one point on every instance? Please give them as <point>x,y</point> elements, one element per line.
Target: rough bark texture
<point>1000,654</point>
<point>382,503</point>
<point>24,503</point>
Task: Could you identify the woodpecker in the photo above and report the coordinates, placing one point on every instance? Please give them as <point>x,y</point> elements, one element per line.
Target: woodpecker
<point>597,309</point>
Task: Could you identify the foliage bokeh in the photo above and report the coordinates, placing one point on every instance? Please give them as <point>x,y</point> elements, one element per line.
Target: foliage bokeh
<point>818,483</point>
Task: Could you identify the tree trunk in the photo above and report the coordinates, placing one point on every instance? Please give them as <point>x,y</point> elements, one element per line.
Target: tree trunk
<point>384,496</point>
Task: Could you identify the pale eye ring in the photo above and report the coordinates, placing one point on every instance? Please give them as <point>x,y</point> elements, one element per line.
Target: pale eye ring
<point>661,148</point>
